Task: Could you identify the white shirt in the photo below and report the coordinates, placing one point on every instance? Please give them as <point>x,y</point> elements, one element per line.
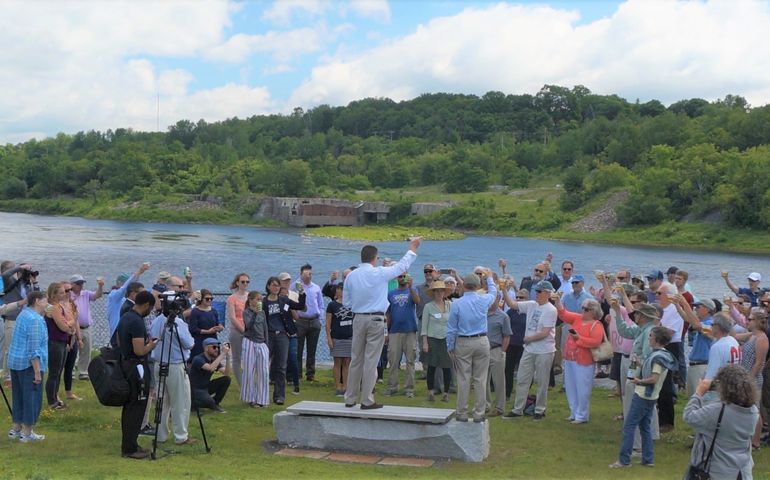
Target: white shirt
<point>539,317</point>
<point>566,285</point>
<point>724,351</point>
<point>673,322</point>
<point>366,287</point>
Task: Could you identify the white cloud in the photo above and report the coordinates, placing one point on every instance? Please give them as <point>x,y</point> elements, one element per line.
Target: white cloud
<point>70,66</point>
<point>282,11</point>
<point>375,9</point>
<point>283,46</point>
<point>666,50</point>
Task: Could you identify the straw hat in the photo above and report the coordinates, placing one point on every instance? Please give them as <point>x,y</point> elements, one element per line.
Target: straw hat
<point>438,285</point>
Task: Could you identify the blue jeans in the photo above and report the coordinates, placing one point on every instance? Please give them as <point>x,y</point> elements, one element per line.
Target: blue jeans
<point>639,414</point>
<point>27,396</point>
<point>293,367</point>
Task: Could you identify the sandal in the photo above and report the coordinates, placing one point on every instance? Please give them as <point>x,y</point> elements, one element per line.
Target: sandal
<point>72,396</point>
<point>619,465</point>
<point>618,418</point>
<point>57,406</point>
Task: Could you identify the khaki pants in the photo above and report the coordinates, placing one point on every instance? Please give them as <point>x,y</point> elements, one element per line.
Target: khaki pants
<point>10,325</point>
<point>399,343</point>
<point>496,374</point>
<point>84,354</point>
<point>368,339</point>
<point>176,403</point>
<point>695,374</point>
<point>533,368</point>
<point>471,360</point>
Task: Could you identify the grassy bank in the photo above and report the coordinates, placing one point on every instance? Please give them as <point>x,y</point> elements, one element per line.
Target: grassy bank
<point>385,233</point>
<point>83,441</point>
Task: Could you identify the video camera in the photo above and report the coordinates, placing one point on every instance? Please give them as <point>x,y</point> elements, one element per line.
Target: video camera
<point>174,303</point>
<point>26,275</point>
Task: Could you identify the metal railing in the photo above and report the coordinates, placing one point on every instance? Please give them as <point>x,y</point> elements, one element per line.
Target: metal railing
<point>100,331</point>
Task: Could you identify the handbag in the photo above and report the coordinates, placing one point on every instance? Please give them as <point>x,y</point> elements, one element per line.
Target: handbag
<point>604,351</point>
<point>701,470</point>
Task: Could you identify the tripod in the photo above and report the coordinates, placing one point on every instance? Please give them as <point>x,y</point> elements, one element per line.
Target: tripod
<point>10,411</point>
<point>170,329</point>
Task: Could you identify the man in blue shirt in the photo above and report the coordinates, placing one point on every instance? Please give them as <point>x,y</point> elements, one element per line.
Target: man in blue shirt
<point>699,317</point>
<point>176,394</point>
<point>468,344</point>
<point>366,295</point>
<point>573,302</point>
<point>402,333</point>
<point>118,294</point>
<point>753,292</point>
<point>310,321</point>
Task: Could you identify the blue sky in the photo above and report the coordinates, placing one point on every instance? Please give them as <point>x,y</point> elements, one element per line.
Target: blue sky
<point>80,65</point>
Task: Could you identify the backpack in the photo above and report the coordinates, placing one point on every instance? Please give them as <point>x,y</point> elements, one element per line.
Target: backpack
<point>106,374</point>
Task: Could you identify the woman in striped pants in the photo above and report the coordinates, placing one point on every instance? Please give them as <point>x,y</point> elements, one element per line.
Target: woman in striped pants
<point>255,360</point>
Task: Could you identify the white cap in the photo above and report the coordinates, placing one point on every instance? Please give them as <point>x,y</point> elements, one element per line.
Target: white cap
<point>755,277</point>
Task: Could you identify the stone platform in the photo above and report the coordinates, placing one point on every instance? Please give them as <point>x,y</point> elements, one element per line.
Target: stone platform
<point>391,430</point>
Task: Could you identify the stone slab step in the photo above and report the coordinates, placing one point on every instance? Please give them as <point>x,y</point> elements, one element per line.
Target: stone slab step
<point>388,412</point>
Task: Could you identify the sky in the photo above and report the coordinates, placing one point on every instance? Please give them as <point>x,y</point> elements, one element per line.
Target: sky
<point>69,66</point>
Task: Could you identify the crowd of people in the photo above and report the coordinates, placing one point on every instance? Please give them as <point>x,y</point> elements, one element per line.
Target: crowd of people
<point>482,333</point>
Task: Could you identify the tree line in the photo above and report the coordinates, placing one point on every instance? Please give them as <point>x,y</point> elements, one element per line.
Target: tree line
<point>694,157</point>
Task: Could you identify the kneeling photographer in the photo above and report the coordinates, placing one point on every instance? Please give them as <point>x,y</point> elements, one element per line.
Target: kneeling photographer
<point>207,393</point>
<point>131,341</point>
<point>174,342</point>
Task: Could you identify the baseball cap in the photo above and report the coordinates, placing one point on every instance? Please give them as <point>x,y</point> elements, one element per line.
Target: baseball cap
<point>77,279</point>
<point>577,278</point>
<point>672,269</point>
<point>161,277</point>
<point>543,285</point>
<point>471,280</point>
<point>708,303</point>
<point>123,278</point>
<point>428,266</point>
<point>654,275</point>
<point>284,276</point>
<point>755,276</point>
<point>210,341</point>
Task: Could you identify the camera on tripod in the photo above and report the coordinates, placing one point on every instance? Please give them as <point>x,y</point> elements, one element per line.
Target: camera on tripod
<point>173,303</point>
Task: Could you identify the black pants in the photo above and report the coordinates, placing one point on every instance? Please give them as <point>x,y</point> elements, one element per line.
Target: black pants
<point>431,378</point>
<point>666,397</point>
<point>69,366</point>
<point>57,352</point>
<point>512,359</point>
<point>306,330</point>
<point>202,398</point>
<point>133,411</point>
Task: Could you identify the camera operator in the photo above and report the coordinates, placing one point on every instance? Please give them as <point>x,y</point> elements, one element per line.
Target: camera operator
<point>176,394</point>
<point>207,393</point>
<point>17,282</point>
<point>132,342</point>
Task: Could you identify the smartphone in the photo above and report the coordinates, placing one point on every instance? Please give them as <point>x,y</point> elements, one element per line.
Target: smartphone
<point>445,271</point>
<point>572,331</point>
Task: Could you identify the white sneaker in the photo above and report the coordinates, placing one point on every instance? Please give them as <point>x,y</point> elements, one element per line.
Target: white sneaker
<point>14,434</point>
<point>32,437</point>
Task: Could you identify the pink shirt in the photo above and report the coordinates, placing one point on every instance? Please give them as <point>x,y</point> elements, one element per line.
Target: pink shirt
<point>83,302</point>
<point>619,343</point>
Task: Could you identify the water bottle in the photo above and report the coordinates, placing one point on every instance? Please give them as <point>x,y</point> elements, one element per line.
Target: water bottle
<point>633,369</point>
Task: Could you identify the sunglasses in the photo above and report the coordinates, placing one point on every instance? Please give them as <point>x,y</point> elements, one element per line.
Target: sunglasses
<point>586,309</point>
<point>567,269</point>
<point>622,279</point>
<point>244,281</point>
<point>428,271</point>
<point>537,270</point>
<point>176,286</point>
<point>634,302</point>
<point>208,299</point>
<point>521,298</point>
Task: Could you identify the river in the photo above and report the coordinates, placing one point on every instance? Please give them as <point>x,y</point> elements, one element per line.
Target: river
<point>61,246</point>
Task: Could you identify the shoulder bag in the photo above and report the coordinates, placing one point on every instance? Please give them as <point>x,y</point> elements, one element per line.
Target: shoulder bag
<point>604,351</point>
<point>701,470</point>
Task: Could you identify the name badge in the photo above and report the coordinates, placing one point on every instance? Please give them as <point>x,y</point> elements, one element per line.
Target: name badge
<point>286,308</point>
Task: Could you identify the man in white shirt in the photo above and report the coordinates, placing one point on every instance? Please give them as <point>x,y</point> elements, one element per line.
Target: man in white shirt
<point>725,349</point>
<point>365,293</point>
<point>674,322</point>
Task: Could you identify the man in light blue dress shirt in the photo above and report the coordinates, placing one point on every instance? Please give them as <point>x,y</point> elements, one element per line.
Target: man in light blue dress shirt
<point>468,345</point>
<point>365,293</point>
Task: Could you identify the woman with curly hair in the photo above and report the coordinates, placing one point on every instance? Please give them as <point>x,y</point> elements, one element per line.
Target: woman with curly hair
<point>736,414</point>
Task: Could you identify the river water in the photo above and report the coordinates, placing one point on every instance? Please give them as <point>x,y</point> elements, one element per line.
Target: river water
<point>61,246</point>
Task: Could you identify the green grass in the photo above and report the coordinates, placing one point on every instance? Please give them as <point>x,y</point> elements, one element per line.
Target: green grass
<point>83,441</point>
<point>384,233</point>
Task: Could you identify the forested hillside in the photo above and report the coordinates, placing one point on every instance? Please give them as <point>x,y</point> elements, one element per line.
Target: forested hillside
<point>693,157</point>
